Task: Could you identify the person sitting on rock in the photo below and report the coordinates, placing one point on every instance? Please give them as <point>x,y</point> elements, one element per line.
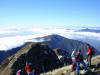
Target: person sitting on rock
<point>79,60</point>
<point>29,68</point>
<point>21,71</point>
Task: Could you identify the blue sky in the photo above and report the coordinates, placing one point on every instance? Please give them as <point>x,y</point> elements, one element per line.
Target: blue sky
<point>41,13</point>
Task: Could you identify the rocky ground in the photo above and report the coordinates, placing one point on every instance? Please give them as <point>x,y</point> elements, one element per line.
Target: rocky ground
<point>94,70</point>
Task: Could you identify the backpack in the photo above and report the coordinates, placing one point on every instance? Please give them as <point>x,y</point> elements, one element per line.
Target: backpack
<point>92,51</point>
<point>79,57</point>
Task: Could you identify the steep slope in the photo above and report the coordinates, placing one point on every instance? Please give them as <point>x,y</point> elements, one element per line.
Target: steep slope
<point>57,41</point>
<point>53,41</point>
<point>5,54</point>
<point>43,58</point>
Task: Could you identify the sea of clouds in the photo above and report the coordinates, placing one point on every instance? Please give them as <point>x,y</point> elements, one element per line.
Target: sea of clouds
<point>11,37</point>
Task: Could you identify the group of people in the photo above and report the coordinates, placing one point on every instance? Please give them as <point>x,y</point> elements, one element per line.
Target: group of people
<point>26,70</point>
<point>77,59</point>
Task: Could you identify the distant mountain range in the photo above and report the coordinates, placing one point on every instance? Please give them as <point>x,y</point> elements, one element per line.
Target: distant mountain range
<point>51,54</point>
<point>53,41</point>
<point>90,30</point>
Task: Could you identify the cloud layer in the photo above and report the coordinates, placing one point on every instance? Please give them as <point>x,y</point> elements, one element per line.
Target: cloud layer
<point>12,37</point>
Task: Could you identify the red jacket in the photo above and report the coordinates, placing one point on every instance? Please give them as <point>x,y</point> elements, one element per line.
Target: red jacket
<point>89,51</point>
<point>28,68</point>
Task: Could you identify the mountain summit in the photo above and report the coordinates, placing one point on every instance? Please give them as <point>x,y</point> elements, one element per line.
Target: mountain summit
<point>57,41</point>
<point>53,41</point>
<point>42,57</point>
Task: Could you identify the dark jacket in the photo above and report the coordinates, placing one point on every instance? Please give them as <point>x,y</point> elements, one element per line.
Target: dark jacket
<point>79,57</point>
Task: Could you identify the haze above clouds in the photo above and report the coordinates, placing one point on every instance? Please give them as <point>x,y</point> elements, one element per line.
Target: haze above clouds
<point>11,37</point>
<point>36,18</point>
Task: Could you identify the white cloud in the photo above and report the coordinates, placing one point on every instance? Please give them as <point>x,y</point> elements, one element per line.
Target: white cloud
<point>12,42</point>
<point>8,42</point>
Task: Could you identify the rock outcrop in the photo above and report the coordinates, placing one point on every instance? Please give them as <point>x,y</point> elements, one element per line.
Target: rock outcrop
<point>40,55</point>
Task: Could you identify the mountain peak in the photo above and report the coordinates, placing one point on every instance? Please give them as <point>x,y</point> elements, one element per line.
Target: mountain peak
<point>39,54</point>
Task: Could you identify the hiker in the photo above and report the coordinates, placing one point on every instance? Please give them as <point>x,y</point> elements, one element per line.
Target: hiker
<point>18,72</point>
<point>73,59</point>
<point>29,68</point>
<point>21,71</point>
<point>90,52</point>
<point>79,60</point>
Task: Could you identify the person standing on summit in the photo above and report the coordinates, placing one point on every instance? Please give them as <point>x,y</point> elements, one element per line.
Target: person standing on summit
<point>90,52</point>
<point>73,59</point>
